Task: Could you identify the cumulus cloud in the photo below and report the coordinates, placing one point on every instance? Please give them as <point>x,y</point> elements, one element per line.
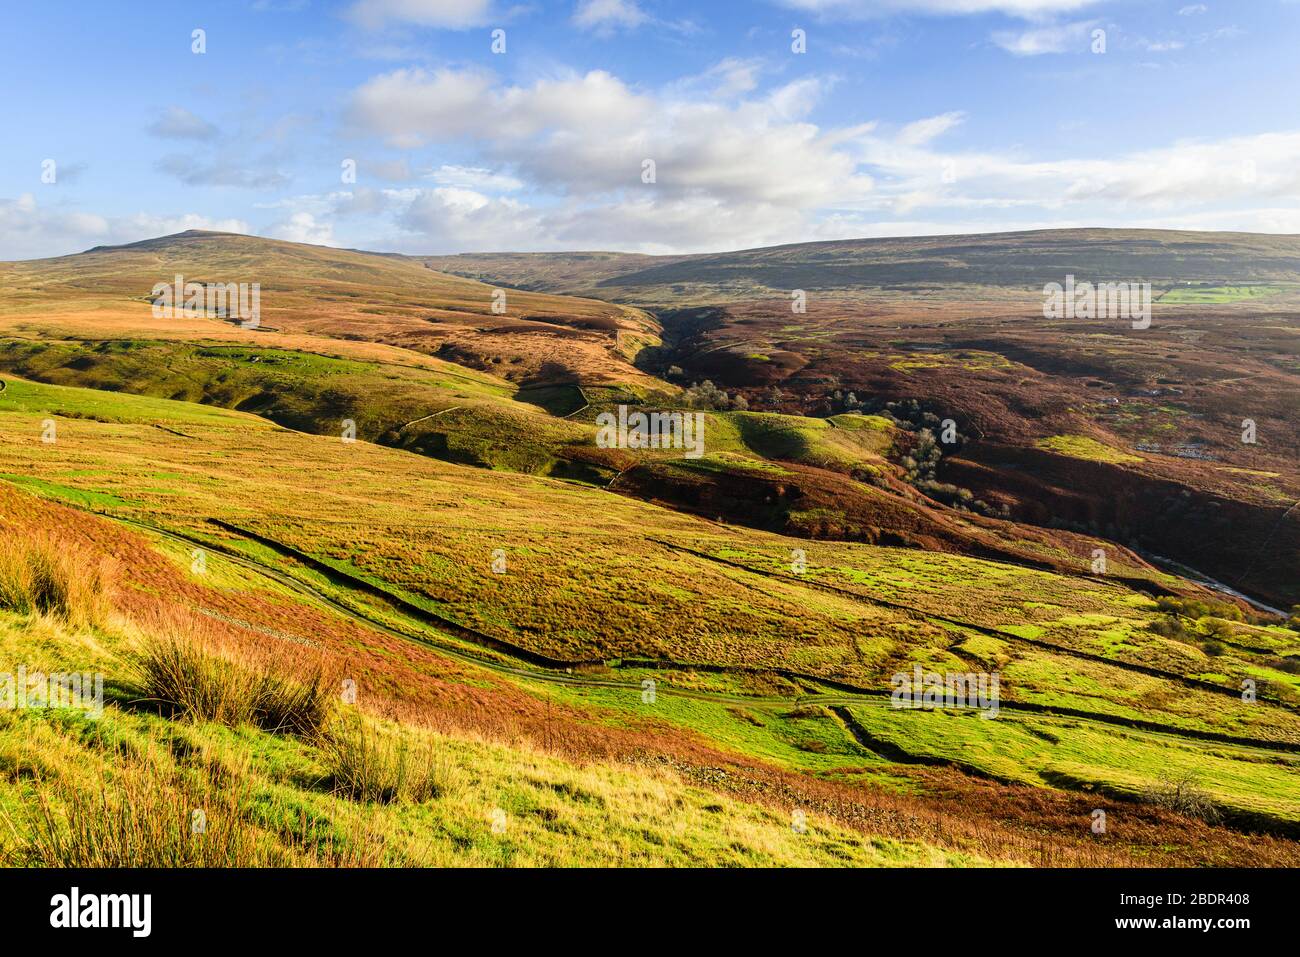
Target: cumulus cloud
<point>591,134</point>
<point>752,168</point>
<point>302,227</point>
<point>31,230</point>
<point>1246,183</point>
<point>451,218</point>
<point>413,107</point>
<point>446,220</point>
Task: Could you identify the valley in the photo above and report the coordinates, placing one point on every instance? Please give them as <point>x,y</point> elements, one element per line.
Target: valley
<point>638,657</point>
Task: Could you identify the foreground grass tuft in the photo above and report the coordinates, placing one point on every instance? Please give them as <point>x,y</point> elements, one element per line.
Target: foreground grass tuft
<point>368,764</point>
<point>153,815</point>
<point>185,667</point>
<point>38,576</point>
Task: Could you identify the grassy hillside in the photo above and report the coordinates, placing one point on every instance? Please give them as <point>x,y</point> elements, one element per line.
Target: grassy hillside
<point>381,564</point>
<point>472,635</point>
<point>323,292</point>
<point>953,329</point>
<point>810,470</point>
<point>122,789</point>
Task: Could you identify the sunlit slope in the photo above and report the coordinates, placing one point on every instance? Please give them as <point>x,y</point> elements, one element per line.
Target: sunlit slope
<point>524,766</point>
<point>798,475</point>
<point>591,576</point>
<point>1171,435</point>
<point>328,292</point>
<point>481,787</point>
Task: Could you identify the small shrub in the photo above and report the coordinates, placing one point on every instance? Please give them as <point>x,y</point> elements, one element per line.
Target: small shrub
<point>1197,608</point>
<point>1183,796</point>
<point>1172,626</point>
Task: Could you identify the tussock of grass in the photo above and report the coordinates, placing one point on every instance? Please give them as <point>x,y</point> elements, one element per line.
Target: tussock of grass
<point>367,764</point>
<point>152,815</point>
<point>186,667</point>
<point>41,576</point>
<point>145,820</point>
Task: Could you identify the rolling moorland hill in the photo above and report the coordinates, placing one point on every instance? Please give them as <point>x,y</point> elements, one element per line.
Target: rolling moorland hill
<point>1018,259</point>
<point>561,653</point>
<point>1138,434</point>
<point>317,291</point>
<point>836,477</point>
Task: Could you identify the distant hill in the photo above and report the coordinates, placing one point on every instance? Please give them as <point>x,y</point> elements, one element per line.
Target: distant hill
<point>344,294</point>
<point>1022,259</point>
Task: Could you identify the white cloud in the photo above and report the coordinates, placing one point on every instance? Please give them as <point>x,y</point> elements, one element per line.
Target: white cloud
<point>1243,183</point>
<point>1025,9</point>
<point>590,134</point>
<point>302,227</point>
<point>449,14</point>
<point>1053,38</point>
<point>1185,178</point>
<point>1193,9</point>
<point>473,177</point>
<point>130,229</point>
<point>450,218</point>
<point>734,76</point>
<point>179,123</point>
<point>413,107</point>
<point>725,80</point>
<point>754,169</point>
<point>30,230</point>
<point>605,16</point>
<point>920,132</point>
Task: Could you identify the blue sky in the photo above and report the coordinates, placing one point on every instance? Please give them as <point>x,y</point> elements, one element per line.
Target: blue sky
<point>902,117</point>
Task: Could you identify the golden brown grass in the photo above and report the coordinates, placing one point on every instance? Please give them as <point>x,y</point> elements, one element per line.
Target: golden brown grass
<point>41,576</point>
<point>320,293</point>
<point>186,666</point>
